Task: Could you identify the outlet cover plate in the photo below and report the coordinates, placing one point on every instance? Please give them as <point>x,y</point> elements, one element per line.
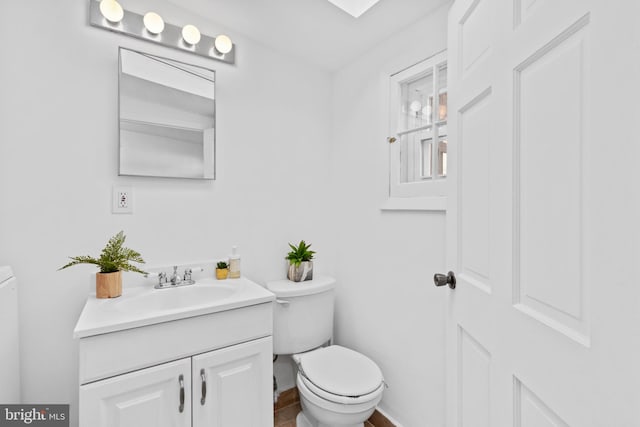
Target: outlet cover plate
<point>122,202</point>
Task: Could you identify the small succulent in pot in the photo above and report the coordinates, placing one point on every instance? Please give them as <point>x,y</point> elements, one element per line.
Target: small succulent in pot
<point>300,264</point>
<point>222,270</point>
<point>113,260</point>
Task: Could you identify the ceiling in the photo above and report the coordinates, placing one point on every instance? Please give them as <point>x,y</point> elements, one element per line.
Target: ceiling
<point>313,30</point>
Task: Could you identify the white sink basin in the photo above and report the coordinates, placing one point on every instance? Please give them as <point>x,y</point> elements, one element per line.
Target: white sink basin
<point>177,298</point>
<point>143,305</point>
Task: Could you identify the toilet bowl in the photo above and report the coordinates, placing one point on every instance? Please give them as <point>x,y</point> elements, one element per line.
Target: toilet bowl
<point>338,387</point>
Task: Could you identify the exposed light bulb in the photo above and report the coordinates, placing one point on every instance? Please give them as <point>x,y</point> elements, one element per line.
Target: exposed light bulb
<point>111,10</point>
<point>191,34</point>
<point>415,106</point>
<point>153,23</point>
<point>223,44</point>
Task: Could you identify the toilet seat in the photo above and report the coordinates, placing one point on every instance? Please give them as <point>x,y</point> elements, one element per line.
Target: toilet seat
<point>340,375</point>
<point>345,400</point>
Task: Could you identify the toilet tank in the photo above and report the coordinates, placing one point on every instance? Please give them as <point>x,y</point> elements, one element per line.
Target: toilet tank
<point>303,314</point>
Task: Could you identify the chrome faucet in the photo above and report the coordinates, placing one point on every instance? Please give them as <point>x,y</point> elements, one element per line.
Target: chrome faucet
<point>175,279</point>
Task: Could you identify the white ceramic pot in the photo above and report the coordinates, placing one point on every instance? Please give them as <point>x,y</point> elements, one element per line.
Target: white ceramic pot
<point>300,273</point>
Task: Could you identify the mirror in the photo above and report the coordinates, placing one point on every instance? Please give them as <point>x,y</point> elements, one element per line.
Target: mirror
<point>167,117</point>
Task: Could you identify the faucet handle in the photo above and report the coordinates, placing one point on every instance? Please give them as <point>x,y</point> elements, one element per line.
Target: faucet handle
<point>161,276</point>
<point>189,271</point>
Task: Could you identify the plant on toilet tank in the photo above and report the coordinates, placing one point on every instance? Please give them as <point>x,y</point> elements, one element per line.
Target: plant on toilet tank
<point>300,264</point>
<point>113,260</point>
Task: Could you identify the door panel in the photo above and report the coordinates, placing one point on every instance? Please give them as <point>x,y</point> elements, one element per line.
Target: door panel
<point>523,9</point>
<point>550,135</point>
<point>531,411</point>
<point>145,398</point>
<point>238,386</point>
<point>542,217</point>
<point>475,34</point>
<point>474,388</point>
<point>474,227</point>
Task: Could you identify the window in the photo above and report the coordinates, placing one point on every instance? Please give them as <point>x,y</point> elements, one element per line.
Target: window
<point>418,153</point>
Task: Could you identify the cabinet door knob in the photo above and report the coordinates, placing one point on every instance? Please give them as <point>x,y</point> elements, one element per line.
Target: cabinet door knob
<point>204,387</point>
<point>181,381</point>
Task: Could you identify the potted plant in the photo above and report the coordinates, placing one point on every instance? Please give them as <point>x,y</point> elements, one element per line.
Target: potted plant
<point>113,260</point>
<point>222,270</point>
<point>300,264</point>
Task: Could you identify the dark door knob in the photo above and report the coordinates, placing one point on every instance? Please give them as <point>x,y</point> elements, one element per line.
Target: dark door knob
<point>445,279</point>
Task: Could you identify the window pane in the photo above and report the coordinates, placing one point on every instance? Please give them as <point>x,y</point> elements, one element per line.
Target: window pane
<point>425,164</point>
<point>417,102</point>
<point>442,156</point>
<point>442,76</point>
<point>403,160</point>
<point>442,92</point>
<point>416,155</point>
<point>442,106</point>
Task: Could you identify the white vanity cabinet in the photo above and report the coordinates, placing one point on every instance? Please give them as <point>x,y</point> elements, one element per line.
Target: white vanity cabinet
<point>212,369</point>
<point>226,387</point>
<point>148,397</point>
<point>229,386</point>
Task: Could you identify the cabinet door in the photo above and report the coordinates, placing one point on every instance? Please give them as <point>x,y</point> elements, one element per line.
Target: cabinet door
<point>159,396</point>
<point>233,386</point>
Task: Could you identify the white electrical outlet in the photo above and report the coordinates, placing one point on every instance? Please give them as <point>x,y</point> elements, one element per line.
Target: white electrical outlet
<point>122,199</point>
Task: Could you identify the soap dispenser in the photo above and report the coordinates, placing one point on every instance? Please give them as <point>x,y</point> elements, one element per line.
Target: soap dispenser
<point>234,263</point>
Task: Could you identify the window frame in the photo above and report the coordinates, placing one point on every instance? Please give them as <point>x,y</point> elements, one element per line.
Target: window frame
<point>424,194</point>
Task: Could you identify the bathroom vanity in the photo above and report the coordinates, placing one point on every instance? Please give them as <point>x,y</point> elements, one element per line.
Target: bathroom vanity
<point>194,356</point>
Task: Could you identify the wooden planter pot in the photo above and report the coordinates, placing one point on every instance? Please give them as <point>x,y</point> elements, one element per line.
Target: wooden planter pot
<point>300,273</point>
<point>221,273</point>
<point>109,285</point>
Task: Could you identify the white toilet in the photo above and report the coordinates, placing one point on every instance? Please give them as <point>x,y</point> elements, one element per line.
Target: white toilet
<point>337,386</point>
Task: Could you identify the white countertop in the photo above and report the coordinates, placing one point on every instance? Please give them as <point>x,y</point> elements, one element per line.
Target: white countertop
<point>100,316</point>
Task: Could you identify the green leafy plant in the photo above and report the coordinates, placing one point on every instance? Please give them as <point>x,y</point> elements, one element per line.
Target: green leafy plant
<point>299,254</point>
<point>221,265</point>
<point>114,257</point>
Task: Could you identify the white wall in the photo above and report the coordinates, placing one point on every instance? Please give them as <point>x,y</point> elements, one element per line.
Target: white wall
<point>299,156</point>
<point>58,163</point>
<point>387,306</point>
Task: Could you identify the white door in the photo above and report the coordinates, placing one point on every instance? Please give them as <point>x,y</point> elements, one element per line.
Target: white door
<point>543,218</point>
<point>159,396</point>
<point>233,386</point>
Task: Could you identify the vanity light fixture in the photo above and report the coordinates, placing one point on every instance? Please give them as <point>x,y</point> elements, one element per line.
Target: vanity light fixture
<point>111,10</point>
<point>223,44</point>
<point>153,23</point>
<point>191,34</point>
<point>151,27</point>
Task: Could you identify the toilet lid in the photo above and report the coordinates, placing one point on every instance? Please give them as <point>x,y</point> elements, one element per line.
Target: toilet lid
<point>287,288</point>
<point>341,371</point>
